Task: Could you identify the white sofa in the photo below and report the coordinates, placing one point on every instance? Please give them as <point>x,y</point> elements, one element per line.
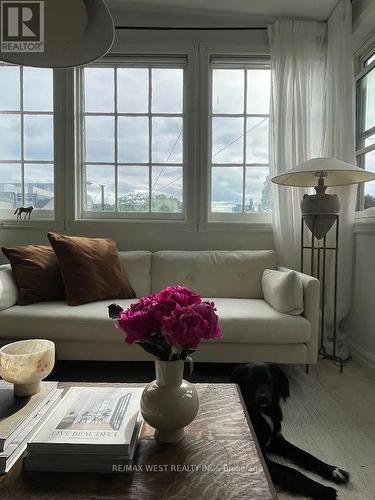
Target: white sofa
<point>252,329</point>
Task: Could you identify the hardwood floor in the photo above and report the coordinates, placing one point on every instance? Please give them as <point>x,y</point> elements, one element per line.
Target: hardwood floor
<point>333,417</point>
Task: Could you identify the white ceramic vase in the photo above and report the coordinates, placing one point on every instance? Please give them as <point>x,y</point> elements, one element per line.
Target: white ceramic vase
<point>169,403</point>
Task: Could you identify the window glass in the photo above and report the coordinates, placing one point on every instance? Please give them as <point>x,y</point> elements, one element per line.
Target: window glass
<point>26,144</point>
<point>139,135</point>
<point>240,182</point>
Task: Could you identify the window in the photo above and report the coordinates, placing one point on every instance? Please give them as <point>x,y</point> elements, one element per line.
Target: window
<point>240,181</point>
<point>133,139</point>
<point>366,129</point>
<point>26,144</point>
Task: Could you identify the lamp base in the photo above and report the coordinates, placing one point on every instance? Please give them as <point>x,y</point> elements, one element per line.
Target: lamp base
<point>322,209</point>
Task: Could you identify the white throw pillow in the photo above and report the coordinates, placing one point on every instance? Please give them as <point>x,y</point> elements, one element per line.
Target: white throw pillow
<point>8,289</point>
<point>283,291</point>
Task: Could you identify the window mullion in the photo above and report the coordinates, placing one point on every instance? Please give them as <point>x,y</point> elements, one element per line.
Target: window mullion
<point>244,143</point>
<point>116,140</point>
<point>149,140</point>
<point>22,139</point>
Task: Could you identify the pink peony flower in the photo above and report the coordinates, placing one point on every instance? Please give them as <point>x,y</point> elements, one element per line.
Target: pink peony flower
<point>138,322</point>
<point>185,327</point>
<point>168,298</point>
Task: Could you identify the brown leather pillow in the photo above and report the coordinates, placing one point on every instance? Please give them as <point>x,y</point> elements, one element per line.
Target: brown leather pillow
<point>36,273</point>
<point>90,269</point>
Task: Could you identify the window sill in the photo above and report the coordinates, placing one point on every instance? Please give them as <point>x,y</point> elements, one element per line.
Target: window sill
<point>132,224</point>
<point>46,224</point>
<point>251,227</point>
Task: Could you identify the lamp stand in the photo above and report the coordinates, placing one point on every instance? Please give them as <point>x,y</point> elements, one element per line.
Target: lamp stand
<point>317,250</point>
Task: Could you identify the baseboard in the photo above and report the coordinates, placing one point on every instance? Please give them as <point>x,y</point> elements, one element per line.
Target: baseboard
<point>364,358</point>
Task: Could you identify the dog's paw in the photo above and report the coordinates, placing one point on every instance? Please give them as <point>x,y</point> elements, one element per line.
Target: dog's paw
<point>326,493</point>
<point>340,476</point>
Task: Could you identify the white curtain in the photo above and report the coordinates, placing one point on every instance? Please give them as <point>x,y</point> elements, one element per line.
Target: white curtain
<point>296,120</point>
<point>312,115</point>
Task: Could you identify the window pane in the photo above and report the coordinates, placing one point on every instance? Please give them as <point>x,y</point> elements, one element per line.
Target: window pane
<point>9,88</point>
<point>39,191</point>
<point>132,90</point>
<point>167,140</point>
<point>369,164</point>
<point>167,189</point>
<point>133,187</point>
<point>227,185</point>
<point>258,190</point>
<point>10,186</point>
<point>227,140</point>
<point>257,140</point>
<point>37,89</point>
<point>228,90</point>
<point>10,137</point>
<point>258,91</point>
<point>133,139</point>
<point>38,137</point>
<point>100,138</point>
<point>370,140</point>
<point>100,188</point>
<point>367,99</point>
<point>167,90</point>
<point>99,90</point>
<point>370,60</point>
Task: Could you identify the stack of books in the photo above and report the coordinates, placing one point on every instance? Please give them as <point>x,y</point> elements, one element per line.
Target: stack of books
<point>21,418</point>
<point>93,429</point>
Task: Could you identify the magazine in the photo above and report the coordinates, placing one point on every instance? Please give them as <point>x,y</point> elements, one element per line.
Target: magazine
<point>18,445</point>
<point>93,420</point>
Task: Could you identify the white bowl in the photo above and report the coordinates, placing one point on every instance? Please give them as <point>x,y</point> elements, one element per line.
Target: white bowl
<point>26,363</point>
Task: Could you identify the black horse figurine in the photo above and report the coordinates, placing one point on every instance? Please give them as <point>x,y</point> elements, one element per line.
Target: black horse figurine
<point>23,210</point>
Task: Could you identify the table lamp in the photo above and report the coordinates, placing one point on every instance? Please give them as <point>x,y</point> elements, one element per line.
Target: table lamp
<point>320,209</point>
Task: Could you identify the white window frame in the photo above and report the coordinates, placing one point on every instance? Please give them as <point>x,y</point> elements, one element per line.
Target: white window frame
<point>213,221</point>
<point>118,61</point>
<point>361,150</point>
<point>44,218</point>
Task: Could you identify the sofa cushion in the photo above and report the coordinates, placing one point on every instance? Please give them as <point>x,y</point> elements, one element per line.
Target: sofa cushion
<point>8,288</point>
<point>255,321</point>
<point>90,269</point>
<point>241,320</point>
<point>137,265</point>
<point>283,291</point>
<point>36,273</point>
<point>231,274</point>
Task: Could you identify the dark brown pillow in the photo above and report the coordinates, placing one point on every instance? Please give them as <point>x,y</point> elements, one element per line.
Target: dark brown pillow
<point>90,269</point>
<point>36,273</point>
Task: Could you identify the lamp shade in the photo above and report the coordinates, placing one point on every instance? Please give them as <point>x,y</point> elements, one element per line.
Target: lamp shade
<point>55,33</point>
<point>335,173</point>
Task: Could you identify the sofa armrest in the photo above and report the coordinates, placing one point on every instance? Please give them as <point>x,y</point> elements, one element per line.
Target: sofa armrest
<point>8,288</point>
<point>311,297</point>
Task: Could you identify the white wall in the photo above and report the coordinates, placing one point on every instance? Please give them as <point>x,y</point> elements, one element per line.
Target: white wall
<point>360,324</point>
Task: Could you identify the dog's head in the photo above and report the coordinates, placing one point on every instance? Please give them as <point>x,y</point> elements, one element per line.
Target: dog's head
<point>263,385</point>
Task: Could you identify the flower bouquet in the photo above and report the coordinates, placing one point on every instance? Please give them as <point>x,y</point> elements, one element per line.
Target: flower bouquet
<point>170,325</point>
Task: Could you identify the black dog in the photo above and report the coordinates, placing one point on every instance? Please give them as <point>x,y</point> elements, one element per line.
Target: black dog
<point>263,386</point>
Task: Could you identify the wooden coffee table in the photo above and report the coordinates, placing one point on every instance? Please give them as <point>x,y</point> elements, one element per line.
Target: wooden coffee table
<point>218,459</point>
